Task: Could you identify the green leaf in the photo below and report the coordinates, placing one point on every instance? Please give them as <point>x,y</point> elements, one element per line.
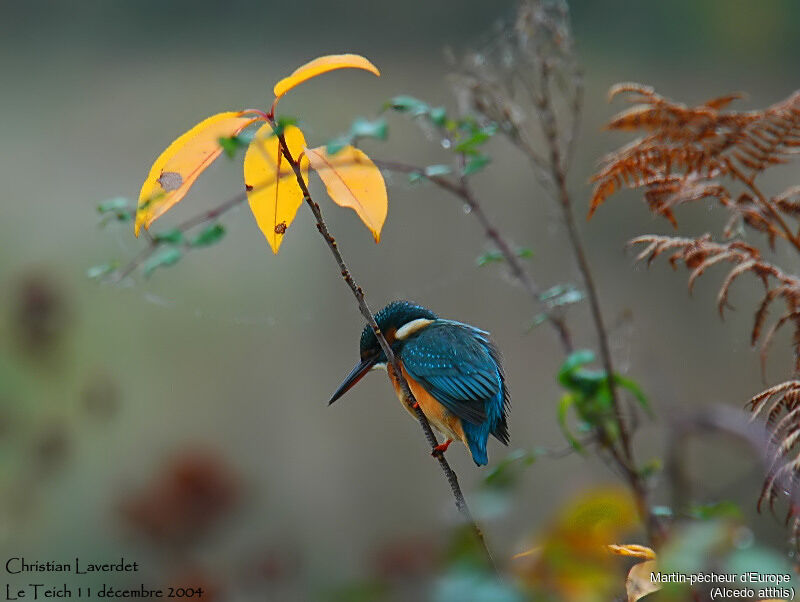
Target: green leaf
<point>490,257</point>
<point>575,360</point>
<point>338,143</point>
<point>407,104</point>
<point>475,164</point>
<point>538,320</point>
<point>437,170</point>
<point>438,116</point>
<point>561,294</point>
<point>651,468</point>
<point>230,144</point>
<point>470,143</point>
<point>634,388</point>
<point>364,128</point>
<point>498,257</point>
<point>283,122</point>
<point>172,236</point>
<point>97,272</point>
<point>664,511</point>
<point>360,128</point>
<point>113,205</point>
<point>566,402</point>
<point>119,208</point>
<point>714,510</point>
<point>210,236</point>
<point>166,257</point>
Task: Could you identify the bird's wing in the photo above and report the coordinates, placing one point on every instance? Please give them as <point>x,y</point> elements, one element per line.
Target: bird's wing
<point>457,364</point>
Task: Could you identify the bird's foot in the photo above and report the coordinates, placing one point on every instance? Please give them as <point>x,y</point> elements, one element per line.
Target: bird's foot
<point>415,405</point>
<point>441,448</point>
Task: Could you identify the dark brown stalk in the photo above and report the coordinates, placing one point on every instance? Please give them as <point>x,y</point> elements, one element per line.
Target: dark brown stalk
<point>624,457</point>
<point>358,293</point>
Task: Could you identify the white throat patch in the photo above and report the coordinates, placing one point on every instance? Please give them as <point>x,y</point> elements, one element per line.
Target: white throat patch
<point>406,330</point>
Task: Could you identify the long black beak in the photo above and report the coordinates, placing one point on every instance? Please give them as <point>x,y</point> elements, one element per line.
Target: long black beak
<point>358,372</point>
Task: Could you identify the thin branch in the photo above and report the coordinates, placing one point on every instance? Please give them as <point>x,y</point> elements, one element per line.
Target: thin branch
<point>462,191</point>
<point>625,458</point>
<point>394,364</point>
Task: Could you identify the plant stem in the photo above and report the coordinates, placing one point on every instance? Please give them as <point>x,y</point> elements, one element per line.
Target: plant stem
<point>462,191</point>
<point>392,360</point>
<point>624,457</point>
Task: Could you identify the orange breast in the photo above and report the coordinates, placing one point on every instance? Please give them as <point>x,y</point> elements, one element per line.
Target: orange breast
<point>440,417</point>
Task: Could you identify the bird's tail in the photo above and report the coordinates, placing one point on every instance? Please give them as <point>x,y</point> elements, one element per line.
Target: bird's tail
<point>477,435</point>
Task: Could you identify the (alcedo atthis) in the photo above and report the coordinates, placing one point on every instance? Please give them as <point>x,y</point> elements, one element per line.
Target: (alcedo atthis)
<point>453,369</point>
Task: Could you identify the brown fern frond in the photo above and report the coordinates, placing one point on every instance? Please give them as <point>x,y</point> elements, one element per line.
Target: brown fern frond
<point>782,405</point>
<point>700,254</point>
<point>685,150</point>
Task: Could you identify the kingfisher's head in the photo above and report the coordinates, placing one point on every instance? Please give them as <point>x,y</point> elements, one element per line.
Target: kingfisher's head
<point>397,321</point>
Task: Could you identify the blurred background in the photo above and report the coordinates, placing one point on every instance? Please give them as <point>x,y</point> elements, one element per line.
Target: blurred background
<point>181,421</point>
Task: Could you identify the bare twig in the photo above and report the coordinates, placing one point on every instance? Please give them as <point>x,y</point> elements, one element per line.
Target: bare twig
<point>462,191</point>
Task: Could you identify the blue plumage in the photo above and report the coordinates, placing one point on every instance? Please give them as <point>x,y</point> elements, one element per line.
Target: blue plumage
<point>456,365</point>
<point>459,366</point>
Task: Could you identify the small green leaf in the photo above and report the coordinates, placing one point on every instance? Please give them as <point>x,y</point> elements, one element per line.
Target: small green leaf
<point>172,236</point>
<point>538,320</point>
<point>364,128</point>
<point>338,143</point>
<point>664,511</point>
<point>634,388</point>
<point>438,116</point>
<point>230,144</point>
<point>283,122</point>
<point>567,401</point>
<point>119,208</point>
<point>360,128</point>
<point>470,143</point>
<point>714,510</point>
<point>437,170</point>
<point>490,257</point>
<point>210,236</point>
<point>498,257</point>
<point>166,257</point>
<point>651,468</point>
<point>113,205</point>
<point>97,272</point>
<point>475,164</point>
<point>407,104</point>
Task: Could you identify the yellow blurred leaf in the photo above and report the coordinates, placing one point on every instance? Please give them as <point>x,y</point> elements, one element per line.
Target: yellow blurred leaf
<point>632,549</point>
<point>322,65</point>
<point>353,180</point>
<point>572,563</point>
<point>528,553</point>
<point>178,166</point>
<point>272,189</point>
<point>638,583</point>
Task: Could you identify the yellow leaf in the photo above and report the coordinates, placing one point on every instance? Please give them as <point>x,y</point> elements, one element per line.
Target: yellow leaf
<point>527,553</point>
<point>177,168</point>
<point>638,583</point>
<point>353,180</point>
<point>272,189</point>
<point>322,65</point>
<point>632,549</point>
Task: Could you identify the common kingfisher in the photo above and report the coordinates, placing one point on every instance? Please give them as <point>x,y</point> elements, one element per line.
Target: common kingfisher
<point>453,369</point>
